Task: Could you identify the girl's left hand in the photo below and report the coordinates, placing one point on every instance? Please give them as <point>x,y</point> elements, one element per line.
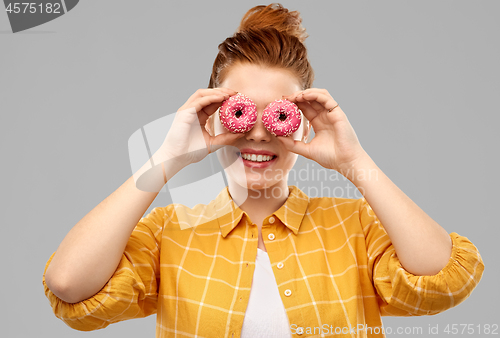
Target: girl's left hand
<point>335,144</point>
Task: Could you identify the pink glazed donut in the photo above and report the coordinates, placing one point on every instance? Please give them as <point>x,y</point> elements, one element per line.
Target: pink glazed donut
<point>281,117</point>
<point>238,114</point>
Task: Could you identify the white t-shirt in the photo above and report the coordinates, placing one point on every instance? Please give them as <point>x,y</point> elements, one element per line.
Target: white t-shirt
<point>265,315</point>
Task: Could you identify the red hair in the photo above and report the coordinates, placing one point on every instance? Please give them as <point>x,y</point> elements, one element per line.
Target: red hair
<point>269,36</point>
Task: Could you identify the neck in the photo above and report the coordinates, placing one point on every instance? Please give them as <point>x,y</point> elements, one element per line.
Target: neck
<point>260,203</point>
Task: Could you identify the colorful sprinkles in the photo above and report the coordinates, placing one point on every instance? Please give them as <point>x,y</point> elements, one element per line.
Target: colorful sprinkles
<point>281,117</point>
<point>238,114</point>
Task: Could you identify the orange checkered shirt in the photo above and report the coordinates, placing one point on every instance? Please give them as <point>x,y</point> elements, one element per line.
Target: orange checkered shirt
<point>334,264</point>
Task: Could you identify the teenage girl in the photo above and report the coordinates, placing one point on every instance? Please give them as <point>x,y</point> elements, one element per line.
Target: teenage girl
<point>263,259</point>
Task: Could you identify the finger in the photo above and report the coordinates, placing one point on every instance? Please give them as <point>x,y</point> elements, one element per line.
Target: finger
<point>222,140</point>
<point>212,108</point>
<point>297,147</point>
<point>319,99</point>
<point>209,92</point>
<point>299,93</point>
<point>319,90</point>
<point>326,100</point>
<point>207,105</point>
<point>315,99</point>
<point>298,97</point>
<point>309,112</point>
<point>228,90</point>
<point>336,115</point>
<point>213,91</point>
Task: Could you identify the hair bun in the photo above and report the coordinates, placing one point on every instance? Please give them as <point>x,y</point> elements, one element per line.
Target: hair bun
<point>276,16</point>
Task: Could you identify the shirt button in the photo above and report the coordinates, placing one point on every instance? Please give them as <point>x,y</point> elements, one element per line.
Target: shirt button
<point>280,265</point>
<point>271,219</point>
<point>300,330</point>
<point>271,237</point>
<point>288,292</point>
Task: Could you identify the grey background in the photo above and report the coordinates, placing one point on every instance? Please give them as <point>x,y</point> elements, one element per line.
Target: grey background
<point>416,79</point>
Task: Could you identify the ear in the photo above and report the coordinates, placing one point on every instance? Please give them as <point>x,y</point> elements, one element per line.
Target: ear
<point>209,125</point>
<point>307,130</point>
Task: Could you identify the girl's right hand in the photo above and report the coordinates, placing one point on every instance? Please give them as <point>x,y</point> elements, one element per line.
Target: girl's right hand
<point>187,140</point>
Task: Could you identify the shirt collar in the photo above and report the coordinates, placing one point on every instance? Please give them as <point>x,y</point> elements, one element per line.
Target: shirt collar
<point>290,213</point>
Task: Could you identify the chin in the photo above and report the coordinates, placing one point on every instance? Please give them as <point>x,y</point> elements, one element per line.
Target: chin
<point>255,183</point>
<point>260,185</point>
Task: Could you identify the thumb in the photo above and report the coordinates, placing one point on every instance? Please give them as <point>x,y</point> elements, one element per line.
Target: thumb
<point>294,146</point>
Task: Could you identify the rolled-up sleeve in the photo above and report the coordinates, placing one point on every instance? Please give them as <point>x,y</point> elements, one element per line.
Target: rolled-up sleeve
<point>402,293</point>
<point>131,292</point>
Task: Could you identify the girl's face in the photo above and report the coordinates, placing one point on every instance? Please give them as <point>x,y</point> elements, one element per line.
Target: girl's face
<point>262,86</point>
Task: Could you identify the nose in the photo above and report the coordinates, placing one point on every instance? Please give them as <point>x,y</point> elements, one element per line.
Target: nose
<point>259,133</point>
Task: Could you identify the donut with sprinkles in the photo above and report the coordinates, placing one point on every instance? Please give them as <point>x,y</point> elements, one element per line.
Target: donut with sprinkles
<point>238,113</point>
<point>281,117</point>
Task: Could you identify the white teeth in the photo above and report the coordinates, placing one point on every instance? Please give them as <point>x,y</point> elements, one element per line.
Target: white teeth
<point>256,158</point>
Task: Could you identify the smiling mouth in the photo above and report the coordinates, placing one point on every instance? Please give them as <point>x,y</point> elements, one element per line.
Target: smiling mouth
<point>257,158</point>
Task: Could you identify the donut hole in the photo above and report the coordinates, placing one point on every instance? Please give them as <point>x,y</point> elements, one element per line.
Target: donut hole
<point>282,117</point>
<point>238,114</point>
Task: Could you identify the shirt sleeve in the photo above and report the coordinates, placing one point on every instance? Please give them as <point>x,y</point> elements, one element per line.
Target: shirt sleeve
<point>401,293</point>
<point>132,290</point>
